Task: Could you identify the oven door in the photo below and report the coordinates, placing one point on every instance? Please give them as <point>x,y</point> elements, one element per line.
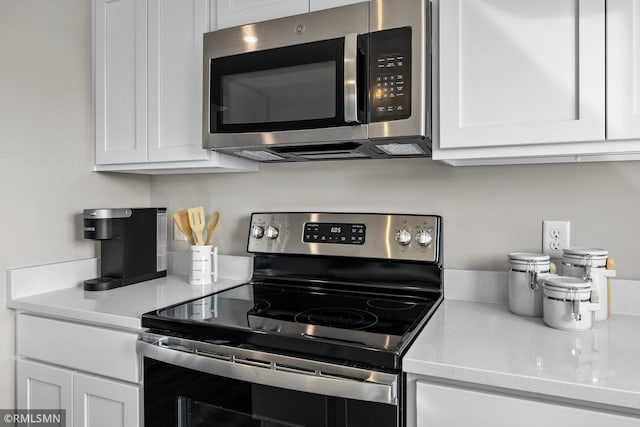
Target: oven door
<point>189,383</point>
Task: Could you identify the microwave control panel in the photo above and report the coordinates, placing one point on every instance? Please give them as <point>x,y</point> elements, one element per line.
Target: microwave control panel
<point>390,67</point>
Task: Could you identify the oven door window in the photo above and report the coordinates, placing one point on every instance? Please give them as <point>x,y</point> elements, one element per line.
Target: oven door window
<point>288,88</point>
<point>179,397</point>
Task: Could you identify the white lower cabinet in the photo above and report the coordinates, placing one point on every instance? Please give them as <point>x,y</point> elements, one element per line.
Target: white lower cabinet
<point>98,402</point>
<point>91,372</point>
<point>87,400</point>
<point>43,386</point>
<point>443,405</point>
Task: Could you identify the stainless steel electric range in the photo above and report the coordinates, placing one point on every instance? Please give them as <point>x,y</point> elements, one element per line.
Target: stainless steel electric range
<point>315,338</point>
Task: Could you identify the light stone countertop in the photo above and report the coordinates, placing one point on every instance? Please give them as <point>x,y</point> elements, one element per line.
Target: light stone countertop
<point>483,343</point>
<point>56,290</point>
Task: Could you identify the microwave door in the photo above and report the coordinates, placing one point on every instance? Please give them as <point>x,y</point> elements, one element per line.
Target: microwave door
<point>351,78</point>
<point>293,94</point>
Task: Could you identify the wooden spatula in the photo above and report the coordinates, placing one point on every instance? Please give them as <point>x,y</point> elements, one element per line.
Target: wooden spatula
<point>611,265</point>
<point>196,221</point>
<point>211,226</point>
<point>182,221</point>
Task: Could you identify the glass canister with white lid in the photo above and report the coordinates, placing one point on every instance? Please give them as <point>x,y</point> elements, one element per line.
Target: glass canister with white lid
<point>590,264</point>
<point>525,293</point>
<point>568,303</point>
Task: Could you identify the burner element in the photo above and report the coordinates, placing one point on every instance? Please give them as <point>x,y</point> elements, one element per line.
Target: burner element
<point>338,317</point>
<point>387,304</point>
<point>260,305</point>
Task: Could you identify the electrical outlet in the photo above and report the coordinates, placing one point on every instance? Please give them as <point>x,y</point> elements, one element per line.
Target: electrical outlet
<point>177,234</point>
<point>556,236</point>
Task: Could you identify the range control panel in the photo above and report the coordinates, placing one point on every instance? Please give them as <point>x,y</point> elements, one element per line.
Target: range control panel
<point>390,74</point>
<point>386,236</point>
<point>334,232</point>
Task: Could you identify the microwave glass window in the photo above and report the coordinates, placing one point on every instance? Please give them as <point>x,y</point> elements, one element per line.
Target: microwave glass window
<point>287,94</point>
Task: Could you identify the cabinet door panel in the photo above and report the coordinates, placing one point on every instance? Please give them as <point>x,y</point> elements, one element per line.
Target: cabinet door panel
<point>44,387</point>
<point>175,79</point>
<point>327,4</point>
<point>100,402</point>
<point>104,351</point>
<point>521,72</point>
<point>240,12</point>
<point>120,33</point>
<point>623,69</point>
<point>440,406</point>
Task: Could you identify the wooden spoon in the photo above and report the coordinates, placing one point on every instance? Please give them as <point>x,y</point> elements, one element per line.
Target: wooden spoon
<point>196,221</point>
<point>611,265</point>
<point>182,221</point>
<point>211,226</point>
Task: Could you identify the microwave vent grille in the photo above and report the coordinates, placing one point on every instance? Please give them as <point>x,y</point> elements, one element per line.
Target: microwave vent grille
<point>260,156</point>
<point>396,149</point>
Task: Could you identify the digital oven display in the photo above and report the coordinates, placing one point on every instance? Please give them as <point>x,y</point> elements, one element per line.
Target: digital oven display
<point>326,232</point>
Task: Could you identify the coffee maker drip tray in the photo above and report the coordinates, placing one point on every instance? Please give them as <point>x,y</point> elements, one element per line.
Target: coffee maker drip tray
<point>102,284</point>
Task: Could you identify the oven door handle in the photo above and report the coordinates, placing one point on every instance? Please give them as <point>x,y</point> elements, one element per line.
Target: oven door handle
<point>259,371</point>
<point>351,78</point>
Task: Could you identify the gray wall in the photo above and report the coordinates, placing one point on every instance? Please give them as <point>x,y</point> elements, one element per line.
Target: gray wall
<point>488,211</point>
<point>45,147</point>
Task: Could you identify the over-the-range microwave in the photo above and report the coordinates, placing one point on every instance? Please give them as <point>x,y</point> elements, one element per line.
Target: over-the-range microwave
<point>348,82</point>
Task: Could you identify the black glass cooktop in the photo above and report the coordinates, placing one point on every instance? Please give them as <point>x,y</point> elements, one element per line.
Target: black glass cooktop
<point>317,320</point>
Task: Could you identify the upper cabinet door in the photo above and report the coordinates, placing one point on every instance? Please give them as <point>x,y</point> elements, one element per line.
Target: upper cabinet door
<point>239,12</point>
<point>516,72</point>
<point>328,4</point>
<point>623,69</point>
<point>120,40</point>
<point>175,79</point>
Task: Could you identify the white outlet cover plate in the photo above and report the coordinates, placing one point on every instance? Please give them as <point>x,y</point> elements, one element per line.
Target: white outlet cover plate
<point>177,234</point>
<point>556,236</point>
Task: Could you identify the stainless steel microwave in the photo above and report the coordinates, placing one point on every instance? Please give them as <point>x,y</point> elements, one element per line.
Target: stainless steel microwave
<point>348,82</point>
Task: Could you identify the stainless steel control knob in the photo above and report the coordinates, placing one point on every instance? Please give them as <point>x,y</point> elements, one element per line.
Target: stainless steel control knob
<point>272,232</point>
<point>424,238</point>
<point>403,237</point>
<point>257,232</point>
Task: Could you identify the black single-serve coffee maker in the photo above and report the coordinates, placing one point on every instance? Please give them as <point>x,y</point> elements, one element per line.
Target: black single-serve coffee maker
<point>133,245</point>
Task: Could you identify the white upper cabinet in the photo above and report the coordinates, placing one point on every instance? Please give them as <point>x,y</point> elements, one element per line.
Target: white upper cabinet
<point>174,69</point>
<point>231,13</point>
<point>515,72</point>
<point>327,4</point>
<point>148,87</point>
<point>120,67</point>
<point>623,69</point>
<point>524,81</point>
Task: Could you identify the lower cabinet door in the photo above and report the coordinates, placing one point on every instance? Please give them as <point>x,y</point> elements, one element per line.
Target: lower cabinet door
<point>41,386</point>
<point>439,405</point>
<point>99,402</point>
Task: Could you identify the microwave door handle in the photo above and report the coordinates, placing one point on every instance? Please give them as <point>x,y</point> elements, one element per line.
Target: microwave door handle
<point>351,78</point>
